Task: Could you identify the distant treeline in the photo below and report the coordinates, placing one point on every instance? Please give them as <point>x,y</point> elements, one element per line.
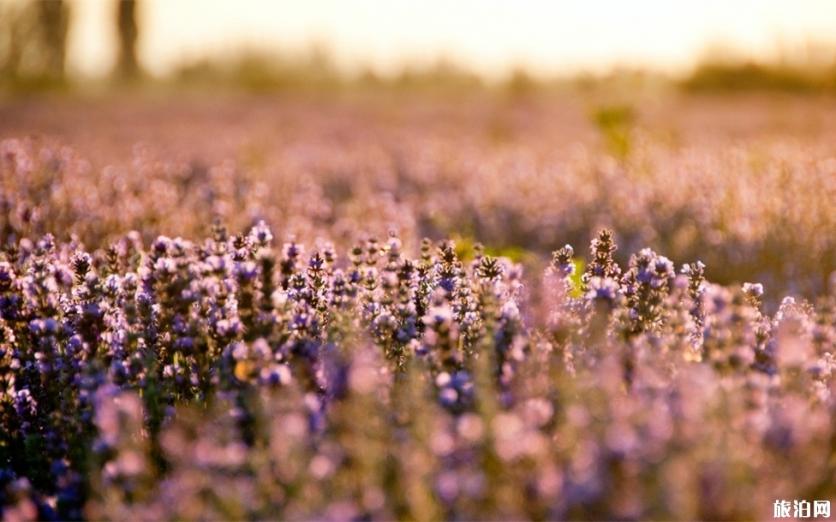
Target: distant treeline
<point>262,71</point>
<point>749,76</point>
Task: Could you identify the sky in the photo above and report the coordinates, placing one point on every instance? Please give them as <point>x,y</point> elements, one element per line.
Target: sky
<point>488,36</point>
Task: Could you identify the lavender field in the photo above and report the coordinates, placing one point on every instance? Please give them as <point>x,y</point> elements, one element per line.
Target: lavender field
<point>417,306</point>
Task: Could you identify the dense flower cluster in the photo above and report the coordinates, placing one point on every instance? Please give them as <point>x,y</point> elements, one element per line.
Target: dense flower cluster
<point>233,378</point>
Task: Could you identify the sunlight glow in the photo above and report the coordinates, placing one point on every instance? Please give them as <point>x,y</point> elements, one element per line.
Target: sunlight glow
<point>489,36</point>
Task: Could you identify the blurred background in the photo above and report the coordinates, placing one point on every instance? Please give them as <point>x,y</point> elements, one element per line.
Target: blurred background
<point>776,44</point>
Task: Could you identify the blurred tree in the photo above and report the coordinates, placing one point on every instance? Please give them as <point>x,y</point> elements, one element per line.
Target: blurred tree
<point>10,48</point>
<point>128,29</point>
<point>33,42</point>
<point>53,16</point>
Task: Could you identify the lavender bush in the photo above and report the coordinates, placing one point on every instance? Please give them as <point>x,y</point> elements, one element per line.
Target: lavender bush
<point>231,377</point>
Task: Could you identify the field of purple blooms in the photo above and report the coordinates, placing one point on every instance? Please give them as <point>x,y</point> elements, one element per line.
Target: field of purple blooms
<point>366,310</point>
